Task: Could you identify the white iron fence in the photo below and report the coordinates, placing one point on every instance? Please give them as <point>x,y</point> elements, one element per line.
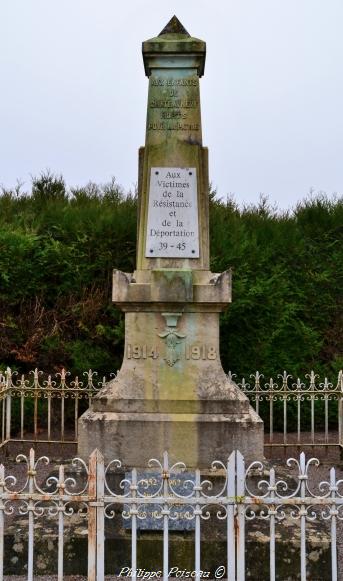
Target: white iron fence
<point>232,494</point>
<point>43,407</point>
<point>305,413</point>
<point>46,408</point>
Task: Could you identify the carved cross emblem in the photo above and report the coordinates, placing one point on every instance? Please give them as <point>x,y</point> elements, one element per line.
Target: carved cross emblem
<point>172,337</point>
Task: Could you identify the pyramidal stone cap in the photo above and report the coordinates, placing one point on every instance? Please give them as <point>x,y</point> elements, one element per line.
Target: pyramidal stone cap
<point>174,40</point>
<point>174,26</point>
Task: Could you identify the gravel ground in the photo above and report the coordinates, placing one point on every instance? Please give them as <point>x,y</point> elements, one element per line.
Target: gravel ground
<point>49,578</point>
<point>65,577</point>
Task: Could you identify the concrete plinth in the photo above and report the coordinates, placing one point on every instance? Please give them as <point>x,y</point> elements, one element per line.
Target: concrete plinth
<point>197,440</point>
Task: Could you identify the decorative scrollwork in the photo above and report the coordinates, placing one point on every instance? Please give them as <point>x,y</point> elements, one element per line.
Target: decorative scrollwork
<point>286,391</point>
<point>253,493</point>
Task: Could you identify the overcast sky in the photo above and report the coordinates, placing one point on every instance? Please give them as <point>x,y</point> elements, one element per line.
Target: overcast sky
<point>73,91</point>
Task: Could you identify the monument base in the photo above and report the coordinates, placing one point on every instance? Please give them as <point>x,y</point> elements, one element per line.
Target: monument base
<point>197,439</point>
<point>171,393</point>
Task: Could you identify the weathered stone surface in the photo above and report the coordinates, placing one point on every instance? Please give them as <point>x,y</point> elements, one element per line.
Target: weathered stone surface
<point>171,392</point>
<point>142,287</point>
<point>181,551</point>
<point>174,26</point>
<point>196,438</point>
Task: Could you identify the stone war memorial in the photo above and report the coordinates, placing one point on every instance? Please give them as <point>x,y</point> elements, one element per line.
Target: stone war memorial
<point>172,479</point>
<point>171,393</point>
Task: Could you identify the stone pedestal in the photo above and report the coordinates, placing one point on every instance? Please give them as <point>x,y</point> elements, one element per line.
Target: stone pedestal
<point>171,392</point>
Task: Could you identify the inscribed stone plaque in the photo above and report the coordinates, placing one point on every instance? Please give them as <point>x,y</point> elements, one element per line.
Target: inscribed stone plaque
<point>173,226</point>
<point>149,484</point>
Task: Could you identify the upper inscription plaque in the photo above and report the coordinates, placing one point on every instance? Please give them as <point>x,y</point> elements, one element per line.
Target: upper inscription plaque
<point>173,228</point>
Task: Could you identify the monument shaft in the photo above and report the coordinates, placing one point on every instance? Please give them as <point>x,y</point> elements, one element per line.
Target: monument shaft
<point>171,392</point>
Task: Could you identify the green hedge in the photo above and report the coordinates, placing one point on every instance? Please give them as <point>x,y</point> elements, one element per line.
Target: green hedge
<point>58,248</point>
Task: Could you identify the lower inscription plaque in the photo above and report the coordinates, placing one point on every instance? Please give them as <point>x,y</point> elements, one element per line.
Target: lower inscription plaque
<point>173,225</point>
<point>150,515</point>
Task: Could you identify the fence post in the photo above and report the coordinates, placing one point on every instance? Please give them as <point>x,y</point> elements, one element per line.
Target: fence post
<point>96,517</point>
<point>231,508</point>
<point>92,518</point>
<point>134,513</point>
<point>302,478</point>
<point>61,508</point>
<point>165,512</point>
<point>334,514</point>
<point>2,508</point>
<point>240,518</point>
<point>8,403</point>
<point>340,408</point>
<point>8,416</point>
<point>100,518</point>
<point>31,478</point>
<point>197,512</point>
<point>272,512</point>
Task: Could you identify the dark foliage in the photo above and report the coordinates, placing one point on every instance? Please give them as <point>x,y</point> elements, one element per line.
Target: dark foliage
<point>58,249</point>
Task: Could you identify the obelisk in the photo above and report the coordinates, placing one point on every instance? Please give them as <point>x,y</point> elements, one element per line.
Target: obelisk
<point>171,392</point>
